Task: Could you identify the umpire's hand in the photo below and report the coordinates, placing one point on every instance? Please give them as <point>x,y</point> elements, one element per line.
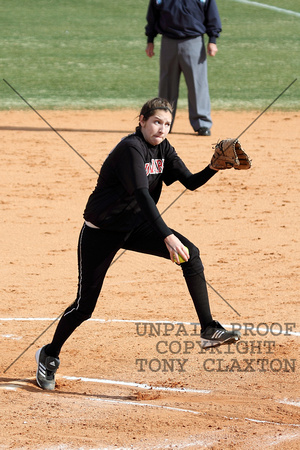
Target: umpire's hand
<point>212,49</point>
<point>150,49</point>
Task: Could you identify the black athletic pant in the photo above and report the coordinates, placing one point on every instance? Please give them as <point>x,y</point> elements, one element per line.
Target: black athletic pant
<point>96,250</point>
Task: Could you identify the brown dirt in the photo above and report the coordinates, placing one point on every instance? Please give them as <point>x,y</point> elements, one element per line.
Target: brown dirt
<point>246,226</point>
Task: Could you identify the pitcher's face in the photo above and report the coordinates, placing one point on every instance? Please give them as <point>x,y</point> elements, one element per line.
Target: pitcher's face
<point>156,128</point>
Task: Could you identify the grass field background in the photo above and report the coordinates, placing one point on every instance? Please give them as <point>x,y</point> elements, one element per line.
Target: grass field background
<point>91,54</point>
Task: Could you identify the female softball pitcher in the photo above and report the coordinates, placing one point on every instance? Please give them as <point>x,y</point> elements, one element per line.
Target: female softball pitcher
<point>121,213</point>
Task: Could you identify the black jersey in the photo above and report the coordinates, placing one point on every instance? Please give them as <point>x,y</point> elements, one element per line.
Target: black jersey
<point>183,19</point>
<point>132,165</point>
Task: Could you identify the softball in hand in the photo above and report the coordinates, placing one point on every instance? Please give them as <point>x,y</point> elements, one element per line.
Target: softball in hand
<point>181,260</point>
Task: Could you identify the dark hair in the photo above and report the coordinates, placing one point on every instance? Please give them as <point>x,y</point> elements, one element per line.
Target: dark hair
<point>149,108</point>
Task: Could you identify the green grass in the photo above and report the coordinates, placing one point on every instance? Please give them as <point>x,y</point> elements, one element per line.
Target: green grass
<point>91,54</point>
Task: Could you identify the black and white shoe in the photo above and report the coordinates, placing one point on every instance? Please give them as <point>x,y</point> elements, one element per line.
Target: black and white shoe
<point>47,367</point>
<point>215,335</point>
<point>204,131</point>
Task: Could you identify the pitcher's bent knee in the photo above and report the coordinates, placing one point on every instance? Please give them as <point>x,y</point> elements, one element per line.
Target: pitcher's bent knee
<point>194,265</point>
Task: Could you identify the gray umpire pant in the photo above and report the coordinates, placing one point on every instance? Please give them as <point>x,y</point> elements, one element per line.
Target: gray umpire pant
<point>187,56</point>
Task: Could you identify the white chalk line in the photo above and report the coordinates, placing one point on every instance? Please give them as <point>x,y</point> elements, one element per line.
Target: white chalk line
<point>15,386</point>
<point>272,8</point>
<point>290,402</point>
<point>148,405</point>
<point>138,385</point>
<point>191,411</point>
<point>145,386</point>
<point>268,422</point>
<point>11,336</point>
<point>246,328</point>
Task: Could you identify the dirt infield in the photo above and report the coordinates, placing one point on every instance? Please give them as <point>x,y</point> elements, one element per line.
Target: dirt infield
<point>134,376</point>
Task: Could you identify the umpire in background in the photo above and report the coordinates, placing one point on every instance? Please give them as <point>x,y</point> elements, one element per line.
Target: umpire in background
<point>183,24</point>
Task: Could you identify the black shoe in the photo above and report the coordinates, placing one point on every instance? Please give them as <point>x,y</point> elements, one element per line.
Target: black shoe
<point>203,131</point>
<point>215,335</point>
<point>47,366</point>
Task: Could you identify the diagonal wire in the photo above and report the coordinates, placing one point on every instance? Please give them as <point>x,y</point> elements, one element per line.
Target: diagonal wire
<point>166,209</point>
<point>49,125</point>
<point>33,342</point>
<point>266,109</point>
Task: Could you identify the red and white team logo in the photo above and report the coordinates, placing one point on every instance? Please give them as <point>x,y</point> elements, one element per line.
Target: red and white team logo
<point>156,166</point>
